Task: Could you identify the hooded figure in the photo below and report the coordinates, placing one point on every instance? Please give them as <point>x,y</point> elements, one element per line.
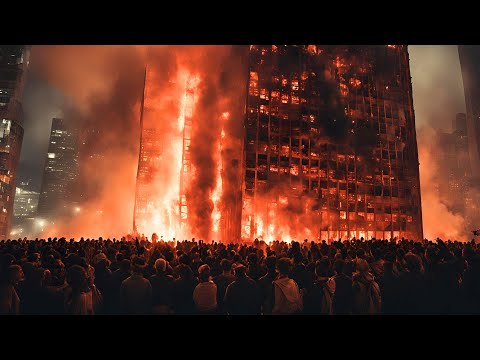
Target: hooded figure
<point>366,298</point>
<point>287,297</point>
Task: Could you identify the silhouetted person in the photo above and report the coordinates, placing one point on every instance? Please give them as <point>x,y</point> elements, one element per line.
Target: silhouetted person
<point>136,291</point>
<point>389,288</point>
<point>366,292</point>
<point>81,298</point>
<point>205,293</point>
<point>300,273</point>
<point>343,294</point>
<point>183,288</point>
<point>318,301</point>
<point>9,299</point>
<point>286,294</point>
<point>34,296</point>
<point>411,295</point>
<point>242,296</point>
<point>255,271</point>
<point>265,285</point>
<point>162,289</point>
<point>222,281</point>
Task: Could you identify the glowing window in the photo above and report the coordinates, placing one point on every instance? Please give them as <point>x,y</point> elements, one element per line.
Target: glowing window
<point>284,98</point>
<point>343,215</point>
<point>264,109</point>
<point>294,85</point>
<point>264,94</point>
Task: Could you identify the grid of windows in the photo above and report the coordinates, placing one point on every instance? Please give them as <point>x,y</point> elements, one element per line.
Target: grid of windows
<point>332,128</point>
<point>61,169</point>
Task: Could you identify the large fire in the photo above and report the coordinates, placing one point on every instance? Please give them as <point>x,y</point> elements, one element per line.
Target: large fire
<point>194,165</point>
<point>163,191</point>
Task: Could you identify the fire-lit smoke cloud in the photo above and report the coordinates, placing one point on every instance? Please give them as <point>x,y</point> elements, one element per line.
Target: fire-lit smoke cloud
<point>104,85</point>
<point>438,221</point>
<point>437,98</point>
<point>222,83</point>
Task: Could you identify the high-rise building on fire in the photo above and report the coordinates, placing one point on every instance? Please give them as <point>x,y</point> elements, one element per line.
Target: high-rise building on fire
<point>163,163</point>
<point>61,171</point>
<point>13,69</point>
<point>469,59</point>
<point>330,144</point>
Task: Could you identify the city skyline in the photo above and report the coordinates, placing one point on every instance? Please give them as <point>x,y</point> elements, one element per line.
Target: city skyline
<point>418,90</point>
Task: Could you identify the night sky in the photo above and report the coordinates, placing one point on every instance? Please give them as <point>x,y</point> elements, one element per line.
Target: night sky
<point>437,92</point>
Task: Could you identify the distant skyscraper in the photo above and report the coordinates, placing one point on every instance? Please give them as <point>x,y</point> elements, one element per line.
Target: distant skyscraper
<point>13,68</point>
<point>26,203</point>
<point>456,185</point>
<point>469,62</point>
<point>454,169</point>
<point>330,145</point>
<point>61,171</point>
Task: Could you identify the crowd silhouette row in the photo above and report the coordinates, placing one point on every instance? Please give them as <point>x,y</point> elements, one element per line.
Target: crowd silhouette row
<point>352,277</point>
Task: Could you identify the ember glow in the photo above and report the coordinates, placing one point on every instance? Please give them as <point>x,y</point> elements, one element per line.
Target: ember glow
<point>216,143</point>
<point>158,202</point>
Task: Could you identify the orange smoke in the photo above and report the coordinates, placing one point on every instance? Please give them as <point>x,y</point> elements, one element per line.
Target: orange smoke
<point>438,221</point>
<point>104,86</point>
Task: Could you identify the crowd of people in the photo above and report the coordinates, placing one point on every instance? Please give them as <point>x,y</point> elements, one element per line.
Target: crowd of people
<point>138,277</point>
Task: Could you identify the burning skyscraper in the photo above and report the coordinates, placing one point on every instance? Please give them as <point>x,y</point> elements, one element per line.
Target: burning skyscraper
<point>13,68</point>
<point>164,163</point>
<point>328,142</point>
<point>469,59</point>
<point>330,145</point>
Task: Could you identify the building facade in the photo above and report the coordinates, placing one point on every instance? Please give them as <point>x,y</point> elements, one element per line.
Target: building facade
<point>469,59</point>
<point>330,145</point>
<point>61,171</point>
<point>26,203</point>
<point>13,69</point>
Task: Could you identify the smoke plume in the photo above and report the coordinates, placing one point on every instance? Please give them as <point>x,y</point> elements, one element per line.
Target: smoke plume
<point>104,85</point>
<point>438,221</point>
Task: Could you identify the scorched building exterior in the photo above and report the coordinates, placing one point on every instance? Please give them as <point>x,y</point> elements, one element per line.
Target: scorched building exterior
<point>330,146</point>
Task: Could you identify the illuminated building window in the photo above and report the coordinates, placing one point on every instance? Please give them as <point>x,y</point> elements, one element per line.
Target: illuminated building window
<point>264,109</point>
<point>343,215</point>
<point>295,85</point>
<point>295,100</point>
<point>264,94</point>
<point>284,98</point>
